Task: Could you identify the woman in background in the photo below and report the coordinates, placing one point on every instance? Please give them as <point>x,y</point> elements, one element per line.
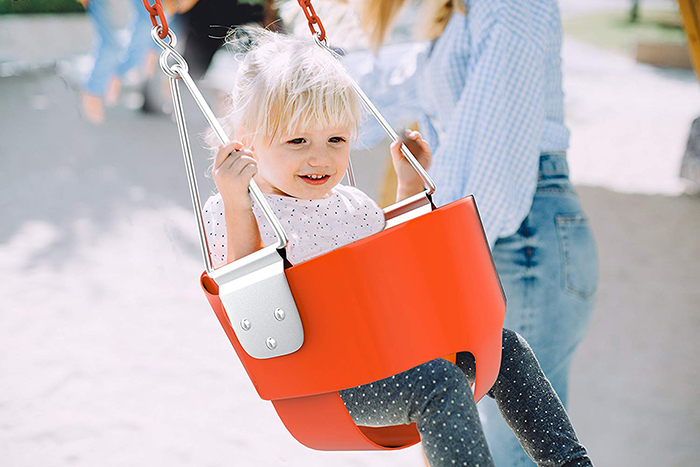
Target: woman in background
<point>491,105</point>
<point>112,62</point>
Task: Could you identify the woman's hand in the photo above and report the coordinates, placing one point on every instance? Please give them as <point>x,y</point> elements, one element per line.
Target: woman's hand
<point>409,181</point>
<point>234,166</point>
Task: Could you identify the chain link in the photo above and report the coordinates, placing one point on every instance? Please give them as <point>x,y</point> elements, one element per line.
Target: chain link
<point>169,52</point>
<point>315,24</point>
<point>156,11</point>
<point>313,19</point>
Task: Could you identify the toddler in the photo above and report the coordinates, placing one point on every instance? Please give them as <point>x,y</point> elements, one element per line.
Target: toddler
<point>295,115</point>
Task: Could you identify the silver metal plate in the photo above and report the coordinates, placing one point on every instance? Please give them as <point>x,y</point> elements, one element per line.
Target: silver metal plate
<point>252,290</point>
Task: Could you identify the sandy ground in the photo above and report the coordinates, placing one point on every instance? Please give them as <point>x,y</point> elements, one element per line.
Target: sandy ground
<point>109,354</point>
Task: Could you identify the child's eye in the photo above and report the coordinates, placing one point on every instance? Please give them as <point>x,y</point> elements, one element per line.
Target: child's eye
<point>296,141</point>
<point>336,139</point>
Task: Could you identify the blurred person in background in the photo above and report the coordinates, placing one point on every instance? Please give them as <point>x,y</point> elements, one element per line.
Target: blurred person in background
<point>112,62</point>
<point>205,25</point>
<point>690,164</point>
<point>489,90</point>
<point>201,27</point>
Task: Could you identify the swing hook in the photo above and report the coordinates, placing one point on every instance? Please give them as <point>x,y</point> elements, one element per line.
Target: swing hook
<point>323,42</point>
<point>169,52</point>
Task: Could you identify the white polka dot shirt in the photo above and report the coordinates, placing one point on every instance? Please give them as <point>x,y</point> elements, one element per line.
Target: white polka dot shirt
<point>314,227</point>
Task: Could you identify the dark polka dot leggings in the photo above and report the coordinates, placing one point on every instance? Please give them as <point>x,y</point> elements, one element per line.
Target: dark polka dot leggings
<point>437,396</point>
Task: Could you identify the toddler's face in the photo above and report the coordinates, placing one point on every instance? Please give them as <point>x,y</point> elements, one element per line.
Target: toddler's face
<point>304,165</point>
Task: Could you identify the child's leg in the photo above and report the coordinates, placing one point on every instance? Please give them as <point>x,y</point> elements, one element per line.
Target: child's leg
<point>530,406</point>
<point>436,395</point>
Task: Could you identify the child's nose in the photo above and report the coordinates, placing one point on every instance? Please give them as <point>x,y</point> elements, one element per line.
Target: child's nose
<point>320,158</point>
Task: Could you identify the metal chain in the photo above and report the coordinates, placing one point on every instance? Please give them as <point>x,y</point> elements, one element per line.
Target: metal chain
<point>169,52</point>
<point>156,11</point>
<point>313,19</point>
<point>158,18</point>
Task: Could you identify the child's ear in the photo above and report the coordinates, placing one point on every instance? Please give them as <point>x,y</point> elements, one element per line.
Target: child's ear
<point>247,141</point>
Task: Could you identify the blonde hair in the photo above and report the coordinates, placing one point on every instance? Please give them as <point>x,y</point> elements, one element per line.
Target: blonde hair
<point>378,16</point>
<point>285,84</point>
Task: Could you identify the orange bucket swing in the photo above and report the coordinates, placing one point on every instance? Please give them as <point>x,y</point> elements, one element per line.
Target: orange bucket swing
<point>423,288</point>
<point>415,292</point>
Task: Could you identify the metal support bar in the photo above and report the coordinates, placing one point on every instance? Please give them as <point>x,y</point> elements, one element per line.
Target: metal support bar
<point>254,289</point>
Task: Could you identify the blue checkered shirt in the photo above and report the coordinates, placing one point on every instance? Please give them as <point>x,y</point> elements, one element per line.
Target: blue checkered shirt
<point>489,96</point>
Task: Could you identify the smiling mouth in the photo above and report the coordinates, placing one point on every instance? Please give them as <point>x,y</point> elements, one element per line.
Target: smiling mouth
<point>318,180</point>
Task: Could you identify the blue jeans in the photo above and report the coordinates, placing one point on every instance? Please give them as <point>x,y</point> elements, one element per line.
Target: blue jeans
<point>549,271</point>
<point>110,59</point>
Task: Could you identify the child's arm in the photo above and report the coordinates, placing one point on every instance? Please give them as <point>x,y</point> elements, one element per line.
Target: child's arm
<point>409,182</point>
<point>233,169</point>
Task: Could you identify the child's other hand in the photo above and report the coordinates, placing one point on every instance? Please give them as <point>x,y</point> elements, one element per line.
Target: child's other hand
<point>234,166</point>
<point>408,178</point>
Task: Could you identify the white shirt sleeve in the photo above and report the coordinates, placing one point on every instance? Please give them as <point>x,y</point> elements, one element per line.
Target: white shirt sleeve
<point>215,228</point>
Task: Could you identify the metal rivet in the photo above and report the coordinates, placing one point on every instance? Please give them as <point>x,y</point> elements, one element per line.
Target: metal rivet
<point>280,314</point>
<point>245,324</point>
<point>271,343</point>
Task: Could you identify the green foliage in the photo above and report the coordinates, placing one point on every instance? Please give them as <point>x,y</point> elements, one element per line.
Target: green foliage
<point>614,30</point>
<point>39,6</point>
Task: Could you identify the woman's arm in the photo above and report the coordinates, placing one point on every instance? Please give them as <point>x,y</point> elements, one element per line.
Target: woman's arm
<point>491,145</point>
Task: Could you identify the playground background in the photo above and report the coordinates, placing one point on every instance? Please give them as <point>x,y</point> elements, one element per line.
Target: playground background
<point>110,356</point>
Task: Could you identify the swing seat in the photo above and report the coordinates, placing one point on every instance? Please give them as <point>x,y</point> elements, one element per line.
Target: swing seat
<point>417,291</point>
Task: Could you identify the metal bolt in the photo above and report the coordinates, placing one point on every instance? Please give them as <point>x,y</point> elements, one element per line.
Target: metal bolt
<point>271,343</point>
<point>280,314</point>
<point>245,324</point>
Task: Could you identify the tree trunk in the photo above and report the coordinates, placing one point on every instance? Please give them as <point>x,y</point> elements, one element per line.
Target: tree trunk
<point>634,12</point>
